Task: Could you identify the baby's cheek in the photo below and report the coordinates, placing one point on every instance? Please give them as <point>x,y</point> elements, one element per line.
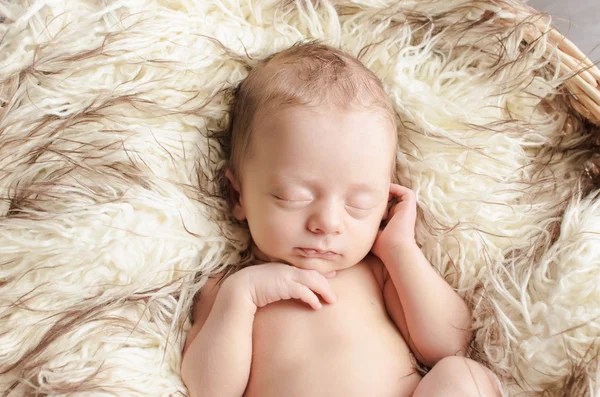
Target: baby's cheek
<point>276,232</point>
<point>368,232</point>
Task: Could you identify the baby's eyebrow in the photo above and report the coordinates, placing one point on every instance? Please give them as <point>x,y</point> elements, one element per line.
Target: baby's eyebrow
<point>282,178</point>
<point>365,187</point>
<point>358,187</point>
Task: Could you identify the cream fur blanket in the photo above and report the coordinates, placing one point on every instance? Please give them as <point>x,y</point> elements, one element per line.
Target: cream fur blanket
<point>108,154</point>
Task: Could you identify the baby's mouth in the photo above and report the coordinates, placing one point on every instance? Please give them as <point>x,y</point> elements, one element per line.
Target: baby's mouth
<point>316,253</point>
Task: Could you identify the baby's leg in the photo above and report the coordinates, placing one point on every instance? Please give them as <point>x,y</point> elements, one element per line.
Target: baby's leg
<point>457,377</point>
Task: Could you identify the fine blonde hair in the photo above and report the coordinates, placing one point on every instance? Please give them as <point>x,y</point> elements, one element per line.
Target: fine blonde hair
<point>309,74</point>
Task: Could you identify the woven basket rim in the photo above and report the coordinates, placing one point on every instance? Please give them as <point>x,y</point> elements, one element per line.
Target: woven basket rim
<point>581,77</point>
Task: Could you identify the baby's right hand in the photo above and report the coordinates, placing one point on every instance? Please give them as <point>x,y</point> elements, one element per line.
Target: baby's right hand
<point>272,282</point>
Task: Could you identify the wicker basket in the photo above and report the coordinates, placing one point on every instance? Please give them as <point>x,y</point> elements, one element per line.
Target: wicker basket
<point>581,76</point>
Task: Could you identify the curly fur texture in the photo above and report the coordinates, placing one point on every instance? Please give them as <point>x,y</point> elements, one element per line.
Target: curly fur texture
<point>111,120</point>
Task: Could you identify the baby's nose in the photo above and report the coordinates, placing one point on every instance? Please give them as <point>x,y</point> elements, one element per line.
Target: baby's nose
<point>326,220</point>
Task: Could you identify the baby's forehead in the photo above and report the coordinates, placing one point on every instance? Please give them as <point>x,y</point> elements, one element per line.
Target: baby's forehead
<point>301,138</point>
<point>310,76</point>
<point>320,117</point>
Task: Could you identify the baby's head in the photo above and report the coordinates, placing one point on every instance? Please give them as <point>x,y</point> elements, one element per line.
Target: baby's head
<point>313,143</point>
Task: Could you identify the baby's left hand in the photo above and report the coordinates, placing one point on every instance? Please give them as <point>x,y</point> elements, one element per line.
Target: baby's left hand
<point>401,218</point>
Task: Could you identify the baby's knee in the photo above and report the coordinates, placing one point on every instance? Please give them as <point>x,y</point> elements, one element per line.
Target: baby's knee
<point>450,372</point>
<point>460,376</point>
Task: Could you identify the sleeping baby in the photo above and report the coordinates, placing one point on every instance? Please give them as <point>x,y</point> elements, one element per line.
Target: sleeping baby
<point>339,301</point>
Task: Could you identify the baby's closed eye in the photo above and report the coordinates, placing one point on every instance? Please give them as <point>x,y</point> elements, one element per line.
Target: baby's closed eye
<point>292,197</point>
<point>292,201</point>
<point>361,206</point>
<point>363,202</point>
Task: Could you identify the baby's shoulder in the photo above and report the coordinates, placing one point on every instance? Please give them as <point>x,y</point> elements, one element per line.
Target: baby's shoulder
<point>205,298</point>
<point>376,266</point>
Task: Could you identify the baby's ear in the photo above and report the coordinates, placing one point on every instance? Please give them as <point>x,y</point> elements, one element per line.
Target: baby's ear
<point>234,196</point>
<point>387,210</point>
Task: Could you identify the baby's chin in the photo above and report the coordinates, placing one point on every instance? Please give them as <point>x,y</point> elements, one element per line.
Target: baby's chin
<point>322,265</point>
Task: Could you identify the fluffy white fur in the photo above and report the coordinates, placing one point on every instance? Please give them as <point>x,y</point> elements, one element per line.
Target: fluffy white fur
<point>108,160</point>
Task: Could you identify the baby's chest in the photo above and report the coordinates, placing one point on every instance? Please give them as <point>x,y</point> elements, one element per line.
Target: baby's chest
<point>297,347</point>
<point>359,315</point>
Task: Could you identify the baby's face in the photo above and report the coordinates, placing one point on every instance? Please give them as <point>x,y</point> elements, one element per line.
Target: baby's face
<point>315,185</point>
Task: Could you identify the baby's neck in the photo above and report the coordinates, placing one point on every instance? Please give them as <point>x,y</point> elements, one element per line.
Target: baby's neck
<point>259,256</point>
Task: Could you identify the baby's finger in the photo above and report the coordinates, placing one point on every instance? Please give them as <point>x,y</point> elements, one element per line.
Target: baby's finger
<point>401,192</point>
<point>317,283</point>
<point>396,209</point>
<point>302,292</point>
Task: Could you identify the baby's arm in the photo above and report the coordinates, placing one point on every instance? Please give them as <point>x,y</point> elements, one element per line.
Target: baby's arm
<point>218,352</point>
<point>217,360</point>
<point>432,317</point>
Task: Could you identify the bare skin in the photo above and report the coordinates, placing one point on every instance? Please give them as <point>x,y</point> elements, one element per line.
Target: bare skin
<point>353,336</point>
<point>359,350</point>
<point>321,316</point>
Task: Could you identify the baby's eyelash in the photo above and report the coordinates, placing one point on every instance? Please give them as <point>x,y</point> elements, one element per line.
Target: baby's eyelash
<point>359,208</point>
<point>289,201</point>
